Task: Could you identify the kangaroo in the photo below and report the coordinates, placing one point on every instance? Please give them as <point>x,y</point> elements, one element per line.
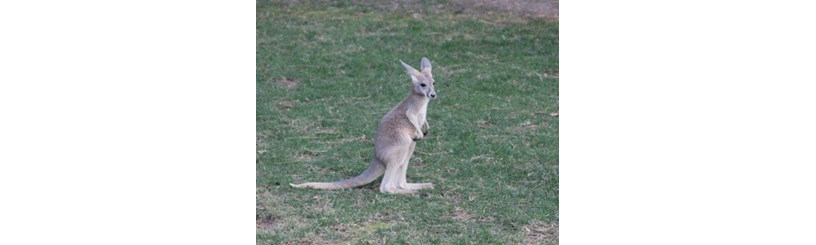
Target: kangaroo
<point>396,137</point>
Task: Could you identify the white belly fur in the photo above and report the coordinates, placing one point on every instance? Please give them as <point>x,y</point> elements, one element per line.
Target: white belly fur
<point>422,112</point>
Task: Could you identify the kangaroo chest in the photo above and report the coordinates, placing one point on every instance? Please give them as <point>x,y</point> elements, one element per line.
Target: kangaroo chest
<point>422,112</point>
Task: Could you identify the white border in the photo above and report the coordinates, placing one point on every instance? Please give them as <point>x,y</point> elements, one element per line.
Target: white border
<point>127,122</point>
<point>687,122</point>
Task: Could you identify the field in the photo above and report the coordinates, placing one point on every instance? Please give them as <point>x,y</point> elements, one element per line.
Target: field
<point>327,73</point>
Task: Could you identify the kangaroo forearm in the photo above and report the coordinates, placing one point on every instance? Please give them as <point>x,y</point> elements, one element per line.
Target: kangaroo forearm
<point>413,119</point>
<point>425,128</point>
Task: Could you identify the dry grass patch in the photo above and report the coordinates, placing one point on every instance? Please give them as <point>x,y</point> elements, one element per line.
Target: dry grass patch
<point>364,232</point>
<point>285,105</point>
<point>260,147</point>
<point>362,138</point>
<point>287,83</point>
<point>528,126</point>
<point>540,233</point>
<point>359,233</point>
<point>308,127</point>
<point>459,214</point>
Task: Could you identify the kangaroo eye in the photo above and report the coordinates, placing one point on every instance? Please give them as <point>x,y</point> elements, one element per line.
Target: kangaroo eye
<point>422,84</point>
<point>434,83</point>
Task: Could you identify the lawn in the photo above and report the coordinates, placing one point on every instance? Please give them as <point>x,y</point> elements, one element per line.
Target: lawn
<point>327,73</point>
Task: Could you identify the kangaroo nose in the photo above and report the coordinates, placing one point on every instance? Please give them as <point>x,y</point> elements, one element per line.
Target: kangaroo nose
<point>433,95</point>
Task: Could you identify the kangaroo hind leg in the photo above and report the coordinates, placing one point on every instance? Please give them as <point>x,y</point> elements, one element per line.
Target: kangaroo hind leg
<point>391,178</point>
<point>402,182</point>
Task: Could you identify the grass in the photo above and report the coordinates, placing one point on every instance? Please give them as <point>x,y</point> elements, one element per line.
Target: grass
<point>327,73</point>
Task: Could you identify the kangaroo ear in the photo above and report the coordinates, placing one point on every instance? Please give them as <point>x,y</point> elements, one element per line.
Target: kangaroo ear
<point>426,65</point>
<point>411,72</point>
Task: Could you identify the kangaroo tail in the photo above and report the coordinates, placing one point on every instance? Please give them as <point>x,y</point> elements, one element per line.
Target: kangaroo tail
<point>374,171</point>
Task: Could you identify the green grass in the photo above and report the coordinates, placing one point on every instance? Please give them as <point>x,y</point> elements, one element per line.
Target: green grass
<point>327,74</point>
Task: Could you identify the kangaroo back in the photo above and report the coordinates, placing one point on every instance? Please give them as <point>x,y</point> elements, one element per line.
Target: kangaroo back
<point>374,171</point>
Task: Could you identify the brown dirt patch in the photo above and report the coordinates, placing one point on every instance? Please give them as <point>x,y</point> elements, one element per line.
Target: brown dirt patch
<point>528,8</point>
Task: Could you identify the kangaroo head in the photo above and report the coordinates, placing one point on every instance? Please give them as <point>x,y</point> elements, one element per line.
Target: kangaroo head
<point>422,80</point>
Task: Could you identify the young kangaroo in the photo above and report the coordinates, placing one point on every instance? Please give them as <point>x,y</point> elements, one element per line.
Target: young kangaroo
<point>395,139</point>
